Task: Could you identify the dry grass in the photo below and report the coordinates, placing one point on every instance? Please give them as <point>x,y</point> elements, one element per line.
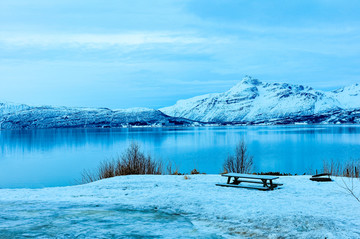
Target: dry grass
<point>224,172</point>
<point>194,171</point>
<point>241,162</point>
<point>345,169</point>
<point>275,174</point>
<point>172,169</point>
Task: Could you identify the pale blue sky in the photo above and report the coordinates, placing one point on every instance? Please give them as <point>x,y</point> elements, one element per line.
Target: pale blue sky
<point>122,54</point>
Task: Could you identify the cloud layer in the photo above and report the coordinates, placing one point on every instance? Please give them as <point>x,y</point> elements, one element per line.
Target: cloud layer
<point>142,53</point>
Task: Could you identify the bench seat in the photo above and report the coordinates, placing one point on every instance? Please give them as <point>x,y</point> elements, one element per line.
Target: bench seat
<point>244,186</point>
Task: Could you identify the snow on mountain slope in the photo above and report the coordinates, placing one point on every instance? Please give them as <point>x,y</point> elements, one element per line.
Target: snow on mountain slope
<point>348,97</point>
<point>27,117</point>
<point>252,101</point>
<point>7,107</point>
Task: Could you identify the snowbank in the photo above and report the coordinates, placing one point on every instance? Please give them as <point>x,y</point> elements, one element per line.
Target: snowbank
<point>172,207</point>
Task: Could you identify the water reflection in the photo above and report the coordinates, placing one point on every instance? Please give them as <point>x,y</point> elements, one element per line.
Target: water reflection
<point>56,157</point>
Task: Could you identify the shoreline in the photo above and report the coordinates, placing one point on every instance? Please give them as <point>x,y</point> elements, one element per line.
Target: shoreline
<point>190,126</point>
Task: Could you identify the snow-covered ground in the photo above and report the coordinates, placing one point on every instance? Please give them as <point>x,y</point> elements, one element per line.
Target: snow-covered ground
<point>175,207</point>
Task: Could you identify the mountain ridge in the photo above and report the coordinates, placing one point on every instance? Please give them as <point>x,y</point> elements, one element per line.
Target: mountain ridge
<point>252,101</point>
<point>20,116</point>
<point>249,102</point>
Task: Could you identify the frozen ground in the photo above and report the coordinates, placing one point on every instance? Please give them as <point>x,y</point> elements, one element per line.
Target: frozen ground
<point>172,207</point>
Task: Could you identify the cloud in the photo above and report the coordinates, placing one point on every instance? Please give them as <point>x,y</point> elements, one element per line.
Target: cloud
<point>100,40</point>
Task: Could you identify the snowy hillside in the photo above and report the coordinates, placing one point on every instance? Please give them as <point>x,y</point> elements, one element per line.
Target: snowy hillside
<point>14,116</point>
<point>7,107</point>
<point>348,97</point>
<point>252,101</point>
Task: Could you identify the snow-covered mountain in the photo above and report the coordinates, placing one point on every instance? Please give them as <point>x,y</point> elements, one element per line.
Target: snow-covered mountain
<point>249,102</point>
<point>15,116</point>
<point>252,101</point>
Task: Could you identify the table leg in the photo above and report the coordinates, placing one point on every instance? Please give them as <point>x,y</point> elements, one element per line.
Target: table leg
<point>236,181</point>
<point>264,182</point>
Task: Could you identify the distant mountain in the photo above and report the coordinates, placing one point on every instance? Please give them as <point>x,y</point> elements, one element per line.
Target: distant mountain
<point>254,102</point>
<point>249,102</point>
<point>19,116</point>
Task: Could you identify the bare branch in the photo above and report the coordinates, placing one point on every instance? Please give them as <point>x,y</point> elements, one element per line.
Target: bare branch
<point>241,162</point>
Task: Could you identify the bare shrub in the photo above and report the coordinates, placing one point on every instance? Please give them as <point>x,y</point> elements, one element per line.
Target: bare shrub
<point>351,189</point>
<point>241,162</point>
<point>132,161</point>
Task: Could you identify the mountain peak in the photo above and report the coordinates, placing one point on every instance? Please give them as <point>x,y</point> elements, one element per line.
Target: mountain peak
<point>248,80</point>
<point>348,89</point>
<point>247,83</point>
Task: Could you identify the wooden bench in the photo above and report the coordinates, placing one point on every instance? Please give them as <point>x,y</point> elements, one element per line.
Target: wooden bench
<point>324,177</point>
<point>238,180</point>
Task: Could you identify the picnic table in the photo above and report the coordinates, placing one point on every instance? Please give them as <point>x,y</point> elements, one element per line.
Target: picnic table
<point>247,180</point>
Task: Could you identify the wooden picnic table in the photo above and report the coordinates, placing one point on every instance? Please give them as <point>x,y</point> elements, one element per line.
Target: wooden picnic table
<point>239,180</point>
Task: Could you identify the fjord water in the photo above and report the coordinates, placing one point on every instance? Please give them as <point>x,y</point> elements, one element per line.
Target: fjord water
<point>57,157</point>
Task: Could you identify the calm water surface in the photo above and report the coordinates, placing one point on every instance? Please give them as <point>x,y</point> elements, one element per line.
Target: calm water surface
<point>56,157</point>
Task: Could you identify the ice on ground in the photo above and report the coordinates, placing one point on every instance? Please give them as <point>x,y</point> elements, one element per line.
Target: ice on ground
<point>172,207</point>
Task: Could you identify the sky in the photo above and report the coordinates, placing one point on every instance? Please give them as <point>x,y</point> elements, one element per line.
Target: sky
<point>140,53</point>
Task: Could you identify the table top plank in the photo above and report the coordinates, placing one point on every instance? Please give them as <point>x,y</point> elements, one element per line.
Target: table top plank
<point>240,175</point>
<point>321,175</point>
